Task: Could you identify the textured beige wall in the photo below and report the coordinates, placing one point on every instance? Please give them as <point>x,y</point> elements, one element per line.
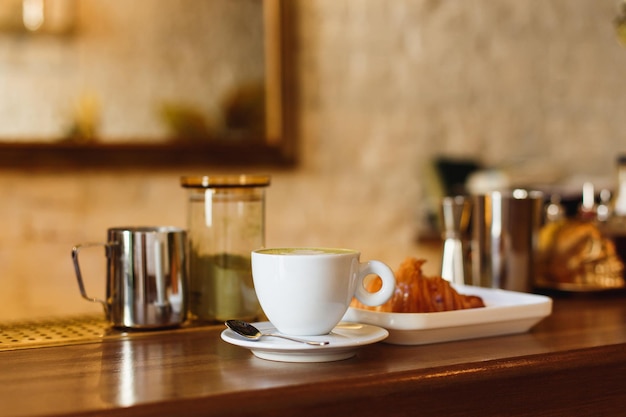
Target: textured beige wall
<point>385,86</point>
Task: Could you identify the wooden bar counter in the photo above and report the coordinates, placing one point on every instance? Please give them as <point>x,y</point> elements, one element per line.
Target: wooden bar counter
<point>572,363</point>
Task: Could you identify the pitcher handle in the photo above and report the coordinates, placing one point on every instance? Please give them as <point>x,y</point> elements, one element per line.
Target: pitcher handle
<point>79,275</point>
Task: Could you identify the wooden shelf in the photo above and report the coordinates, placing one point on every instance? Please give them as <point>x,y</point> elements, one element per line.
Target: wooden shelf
<point>139,156</point>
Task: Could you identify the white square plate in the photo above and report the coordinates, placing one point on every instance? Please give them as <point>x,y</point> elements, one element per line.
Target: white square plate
<point>505,312</point>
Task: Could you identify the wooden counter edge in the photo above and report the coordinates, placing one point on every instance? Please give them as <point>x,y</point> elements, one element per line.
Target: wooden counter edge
<point>586,382</point>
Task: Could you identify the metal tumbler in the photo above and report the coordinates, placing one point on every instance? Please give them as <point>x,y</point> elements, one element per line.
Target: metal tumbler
<point>505,228</point>
<point>455,217</point>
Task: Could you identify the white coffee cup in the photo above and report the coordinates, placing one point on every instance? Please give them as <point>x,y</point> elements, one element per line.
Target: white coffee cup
<point>306,291</point>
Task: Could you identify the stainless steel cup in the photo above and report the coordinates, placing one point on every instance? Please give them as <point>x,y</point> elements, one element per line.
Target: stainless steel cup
<point>147,270</point>
<point>505,228</point>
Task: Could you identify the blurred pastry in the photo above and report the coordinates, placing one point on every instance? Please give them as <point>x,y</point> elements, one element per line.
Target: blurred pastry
<point>576,252</point>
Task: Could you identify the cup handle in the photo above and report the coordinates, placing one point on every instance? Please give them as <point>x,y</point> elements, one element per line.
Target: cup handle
<point>79,275</point>
<point>386,291</point>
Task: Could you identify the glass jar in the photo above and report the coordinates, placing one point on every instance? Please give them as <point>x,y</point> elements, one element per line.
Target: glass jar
<point>226,221</point>
<point>619,207</point>
<point>615,226</point>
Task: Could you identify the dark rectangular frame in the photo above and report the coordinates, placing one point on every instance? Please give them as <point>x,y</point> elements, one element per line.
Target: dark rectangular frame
<point>278,149</point>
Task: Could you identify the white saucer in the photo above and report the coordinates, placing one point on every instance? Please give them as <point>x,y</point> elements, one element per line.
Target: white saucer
<point>344,340</point>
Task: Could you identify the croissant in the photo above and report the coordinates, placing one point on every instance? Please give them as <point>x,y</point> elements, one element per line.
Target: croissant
<point>416,293</point>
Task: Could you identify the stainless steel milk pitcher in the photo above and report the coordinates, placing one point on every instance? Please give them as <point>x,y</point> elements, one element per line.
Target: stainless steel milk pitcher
<point>147,270</point>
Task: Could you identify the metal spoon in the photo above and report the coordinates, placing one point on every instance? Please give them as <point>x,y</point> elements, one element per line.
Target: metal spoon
<point>250,332</point>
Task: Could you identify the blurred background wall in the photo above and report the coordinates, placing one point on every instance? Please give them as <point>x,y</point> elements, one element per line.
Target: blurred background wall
<point>533,88</point>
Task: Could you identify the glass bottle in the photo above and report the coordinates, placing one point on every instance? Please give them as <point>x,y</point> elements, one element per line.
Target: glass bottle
<point>615,227</point>
<point>226,221</point>
<point>619,207</point>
